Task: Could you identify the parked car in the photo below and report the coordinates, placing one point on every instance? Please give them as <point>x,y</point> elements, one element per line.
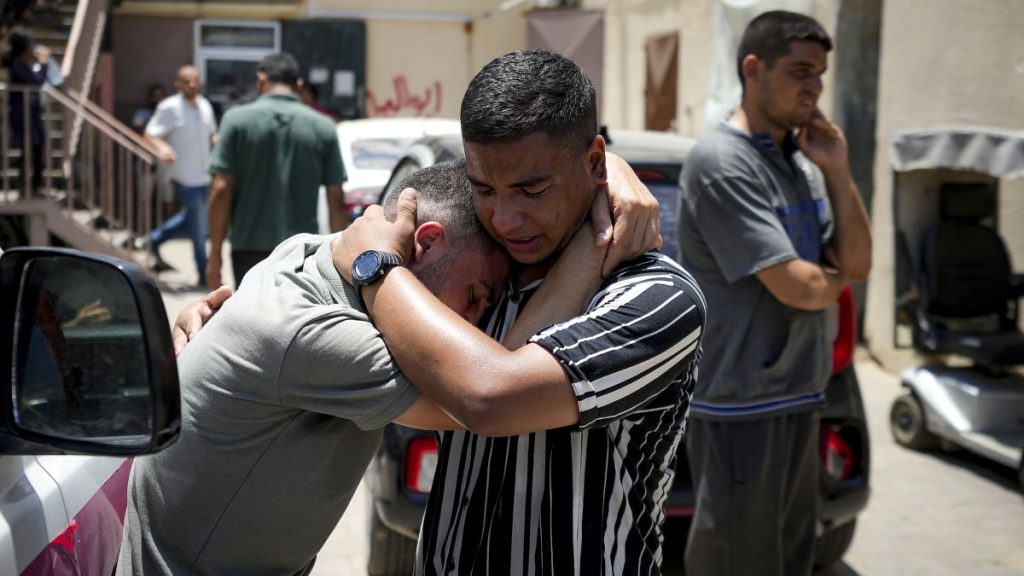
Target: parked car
<point>370,148</point>
<point>400,475</point>
<point>91,381</point>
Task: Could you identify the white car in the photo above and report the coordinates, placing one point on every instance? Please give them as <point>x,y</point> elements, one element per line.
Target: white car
<point>370,148</point>
<point>90,381</point>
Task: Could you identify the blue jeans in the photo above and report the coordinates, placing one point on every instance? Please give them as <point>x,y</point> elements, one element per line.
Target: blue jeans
<point>189,222</point>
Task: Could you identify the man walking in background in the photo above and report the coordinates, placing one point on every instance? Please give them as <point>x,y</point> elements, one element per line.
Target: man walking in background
<point>268,165</point>
<point>772,226</point>
<point>182,129</point>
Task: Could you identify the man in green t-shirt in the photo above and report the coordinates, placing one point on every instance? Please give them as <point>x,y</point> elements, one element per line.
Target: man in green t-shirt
<point>271,157</point>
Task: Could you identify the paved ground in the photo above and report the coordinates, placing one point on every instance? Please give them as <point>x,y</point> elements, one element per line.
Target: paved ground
<point>930,514</point>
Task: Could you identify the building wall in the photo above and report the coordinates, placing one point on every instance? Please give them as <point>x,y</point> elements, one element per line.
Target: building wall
<point>497,33</point>
<point>943,62</point>
<point>147,50</point>
<point>416,68</point>
<point>628,25</point>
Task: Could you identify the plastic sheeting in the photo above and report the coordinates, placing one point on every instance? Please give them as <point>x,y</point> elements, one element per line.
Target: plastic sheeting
<point>999,153</point>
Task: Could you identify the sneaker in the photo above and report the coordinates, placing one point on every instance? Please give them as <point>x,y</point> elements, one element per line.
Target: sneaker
<point>133,243</point>
<point>159,264</point>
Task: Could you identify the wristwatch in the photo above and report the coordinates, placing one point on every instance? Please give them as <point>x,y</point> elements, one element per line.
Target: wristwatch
<point>371,266</point>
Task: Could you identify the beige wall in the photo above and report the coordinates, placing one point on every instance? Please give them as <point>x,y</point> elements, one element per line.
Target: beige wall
<point>416,68</point>
<point>628,25</point>
<point>136,41</point>
<point>497,33</point>
<point>943,62</point>
<point>264,11</point>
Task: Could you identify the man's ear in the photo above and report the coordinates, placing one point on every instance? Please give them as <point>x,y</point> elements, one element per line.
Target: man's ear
<point>596,165</point>
<point>428,240</point>
<point>751,66</point>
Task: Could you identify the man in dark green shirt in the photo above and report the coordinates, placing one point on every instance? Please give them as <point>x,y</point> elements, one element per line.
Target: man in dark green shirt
<point>271,157</point>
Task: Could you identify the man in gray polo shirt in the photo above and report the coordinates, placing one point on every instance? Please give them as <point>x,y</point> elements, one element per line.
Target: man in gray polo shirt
<point>773,228</point>
<point>284,394</point>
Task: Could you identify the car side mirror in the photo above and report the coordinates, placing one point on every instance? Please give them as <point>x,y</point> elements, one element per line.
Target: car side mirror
<point>88,363</point>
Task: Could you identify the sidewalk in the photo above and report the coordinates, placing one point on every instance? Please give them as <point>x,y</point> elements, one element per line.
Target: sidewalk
<point>179,285</point>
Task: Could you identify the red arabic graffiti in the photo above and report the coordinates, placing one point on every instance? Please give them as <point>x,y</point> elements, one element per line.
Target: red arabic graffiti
<point>429,104</point>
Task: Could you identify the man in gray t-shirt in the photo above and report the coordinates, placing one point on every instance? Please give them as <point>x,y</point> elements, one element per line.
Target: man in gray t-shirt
<point>773,228</point>
<point>284,394</point>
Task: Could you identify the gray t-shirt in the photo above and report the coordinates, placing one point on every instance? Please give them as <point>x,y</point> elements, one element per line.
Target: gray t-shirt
<point>284,394</point>
<point>746,206</point>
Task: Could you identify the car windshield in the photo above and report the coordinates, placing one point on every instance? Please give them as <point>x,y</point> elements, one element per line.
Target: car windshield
<point>378,153</point>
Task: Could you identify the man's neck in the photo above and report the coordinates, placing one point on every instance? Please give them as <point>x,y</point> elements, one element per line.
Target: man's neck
<point>748,119</point>
<point>279,90</point>
<point>529,274</point>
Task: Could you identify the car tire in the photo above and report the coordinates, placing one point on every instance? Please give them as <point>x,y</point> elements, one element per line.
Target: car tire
<point>390,553</point>
<point>906,419</point>
<point>833,544</point>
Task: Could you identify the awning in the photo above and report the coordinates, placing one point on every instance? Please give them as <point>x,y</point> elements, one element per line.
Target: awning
<point>991,151</point>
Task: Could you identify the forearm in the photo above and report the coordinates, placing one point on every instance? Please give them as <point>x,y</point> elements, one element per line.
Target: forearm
<point>337,216</point>
<point>567,288</point>
<point>219,213</point>
<point>485,387</point>
<point>852,235</point>
<point>162,147</point>
<point>803,285</point>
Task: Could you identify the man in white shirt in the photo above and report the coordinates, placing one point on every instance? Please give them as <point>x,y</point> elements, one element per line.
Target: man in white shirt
<point>183,129</point>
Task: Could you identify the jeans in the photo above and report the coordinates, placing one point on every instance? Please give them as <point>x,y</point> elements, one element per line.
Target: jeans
<point>189,222</point>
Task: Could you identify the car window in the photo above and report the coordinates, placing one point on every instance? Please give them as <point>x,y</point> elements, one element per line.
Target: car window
<point>378,153</point>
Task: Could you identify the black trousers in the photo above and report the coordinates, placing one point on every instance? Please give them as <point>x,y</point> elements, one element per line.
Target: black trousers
<point>756,490</point>
<point>243,260</point>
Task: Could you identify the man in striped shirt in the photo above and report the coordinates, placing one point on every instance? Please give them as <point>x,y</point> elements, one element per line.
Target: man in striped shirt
<point>609,388</point>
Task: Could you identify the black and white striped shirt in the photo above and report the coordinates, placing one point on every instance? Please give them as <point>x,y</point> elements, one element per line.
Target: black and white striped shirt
<point>588,499</point>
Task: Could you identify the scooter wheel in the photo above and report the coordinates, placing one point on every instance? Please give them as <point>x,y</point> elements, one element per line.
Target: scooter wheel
<point>906,419</point>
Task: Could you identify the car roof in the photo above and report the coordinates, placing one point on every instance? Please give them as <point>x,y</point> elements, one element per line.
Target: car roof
<point>649,146</point>
<point>645,146</point>
<point>396,127</point>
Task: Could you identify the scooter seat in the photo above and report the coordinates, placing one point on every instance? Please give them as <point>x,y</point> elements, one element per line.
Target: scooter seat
<point>988,349</point>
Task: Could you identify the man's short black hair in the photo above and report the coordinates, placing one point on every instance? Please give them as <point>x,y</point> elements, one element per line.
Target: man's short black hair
<point>280,68</point>
<point>444,195</point>
<point>529,91</point>
<point>768,37</point>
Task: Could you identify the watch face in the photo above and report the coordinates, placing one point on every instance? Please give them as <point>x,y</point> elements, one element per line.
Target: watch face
<point>366,265</point>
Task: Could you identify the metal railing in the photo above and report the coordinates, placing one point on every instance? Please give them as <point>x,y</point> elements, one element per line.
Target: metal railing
<point>107,183</point>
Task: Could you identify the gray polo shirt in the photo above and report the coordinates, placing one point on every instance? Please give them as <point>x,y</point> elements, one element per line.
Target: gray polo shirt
<point>284,394</point>
<point>746,206</point>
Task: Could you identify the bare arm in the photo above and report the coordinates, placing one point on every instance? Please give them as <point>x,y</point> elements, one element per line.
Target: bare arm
<point>219,213</point>
<point>193,316</point>
<point>426,415</point>
<point>567,288</point>
<point>626,210</point>
<point>486,387</point>
<point>163,148</point>
<point>337,216</point>
<point>803,285</point>
<point>825,144</point>
<point>489,389</point>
